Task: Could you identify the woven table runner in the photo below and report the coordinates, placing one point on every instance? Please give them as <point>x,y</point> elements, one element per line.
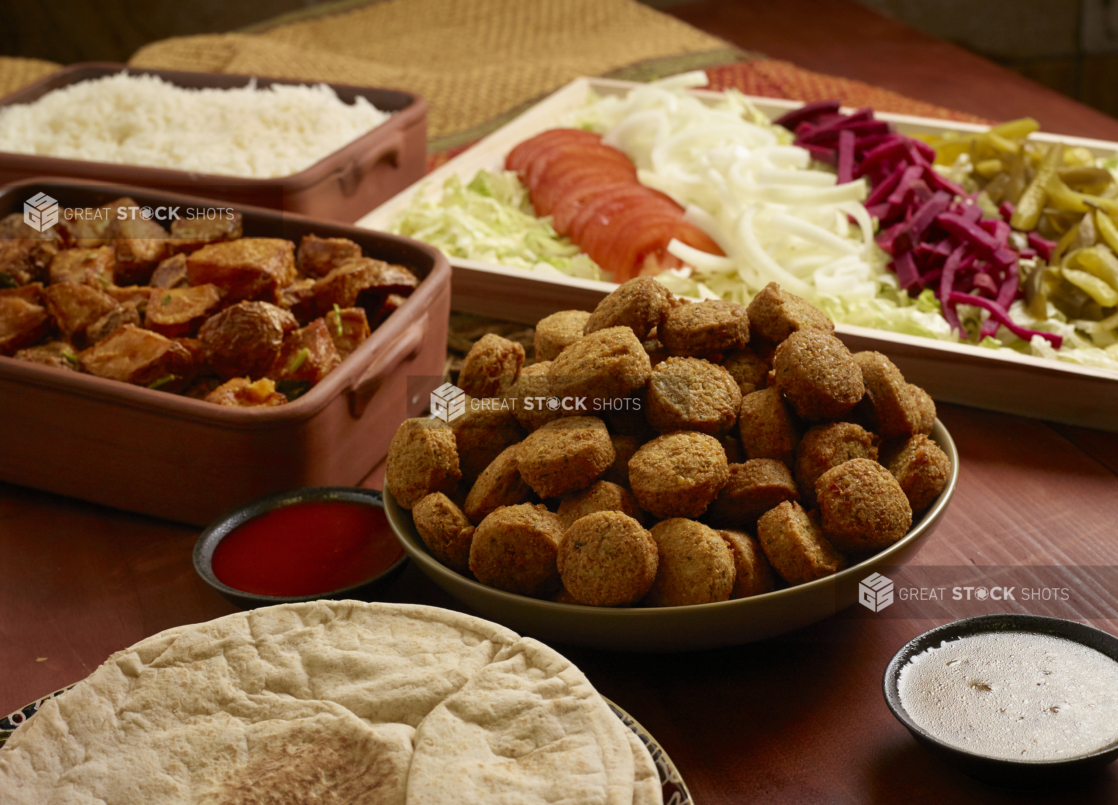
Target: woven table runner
<point>478,63</point>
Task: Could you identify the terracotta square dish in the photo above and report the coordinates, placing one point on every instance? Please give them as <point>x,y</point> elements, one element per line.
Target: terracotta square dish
<point>343,186</point>
<point>150,451</point>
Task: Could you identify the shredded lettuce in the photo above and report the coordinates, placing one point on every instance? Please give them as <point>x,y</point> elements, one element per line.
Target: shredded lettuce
<point>491,220</point>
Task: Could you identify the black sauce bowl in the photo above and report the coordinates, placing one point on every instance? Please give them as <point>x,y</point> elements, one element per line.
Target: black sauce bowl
<point>1001,772</point>
<point>217,531</point>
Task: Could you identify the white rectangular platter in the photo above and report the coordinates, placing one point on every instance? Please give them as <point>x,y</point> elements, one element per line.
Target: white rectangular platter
<point>955,373</point>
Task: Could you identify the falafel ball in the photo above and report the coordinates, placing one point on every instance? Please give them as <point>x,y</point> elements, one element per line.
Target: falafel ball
<point>767,426</point>
<point>515,548</point>
<point>531,395</point>
<point>445,530</point>
<point>558,331</point>
<point>795,545</point>
<point>625,447</point>
<point>705,328</point>
<point>640,304</point>
<point>696,566</point>
<point>482,432</point>
<point>895,411</point>
<point>679,474</point>
<point>922,469</point>
<point>692,394</point>
<point>926,407</point>
<point>749,371</point>
<point>607,559</point>
<point>491,366</point>
<point>754,487</point>
<point>862,506</point>
<point>754,575</point>
<point>826,446</point>
<point>817,375</point>
<point>604,365</point>
<point>774,314</point>
<point>565,455</point>
<point>600,496</point>
<point>422,458</point>
<point>498,485</point>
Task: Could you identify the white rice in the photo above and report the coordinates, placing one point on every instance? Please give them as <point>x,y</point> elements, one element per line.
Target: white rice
<point>143,120</point>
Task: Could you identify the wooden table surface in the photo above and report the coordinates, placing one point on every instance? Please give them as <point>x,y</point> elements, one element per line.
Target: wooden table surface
<point>796,719</point>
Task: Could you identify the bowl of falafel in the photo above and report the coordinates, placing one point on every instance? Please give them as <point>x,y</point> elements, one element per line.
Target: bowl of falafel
<point>670,475</point>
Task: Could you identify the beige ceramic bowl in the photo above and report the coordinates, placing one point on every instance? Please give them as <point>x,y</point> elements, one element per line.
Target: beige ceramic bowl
<point>675,628</point>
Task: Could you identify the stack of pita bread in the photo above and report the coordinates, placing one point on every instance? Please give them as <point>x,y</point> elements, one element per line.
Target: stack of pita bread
<point>333,702</point>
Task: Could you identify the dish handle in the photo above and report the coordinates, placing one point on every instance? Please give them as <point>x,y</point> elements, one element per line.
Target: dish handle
<point>387,151</point>
<point>403,349</point>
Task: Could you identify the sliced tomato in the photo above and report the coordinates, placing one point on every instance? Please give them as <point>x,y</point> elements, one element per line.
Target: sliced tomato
<point>602,231</point>
<point>563,157</point>
<point>521,156</point>
<point>615,202</point>
<point>573,198</point>
<point>641,244</point>
<point>548,193</point>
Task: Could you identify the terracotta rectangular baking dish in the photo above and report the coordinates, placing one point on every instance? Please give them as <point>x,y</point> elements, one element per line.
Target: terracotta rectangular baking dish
<point>184,459</point>
<point>342,186</point>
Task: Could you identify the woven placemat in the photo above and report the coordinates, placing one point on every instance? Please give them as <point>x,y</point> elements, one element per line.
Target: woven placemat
<point>16,73</point>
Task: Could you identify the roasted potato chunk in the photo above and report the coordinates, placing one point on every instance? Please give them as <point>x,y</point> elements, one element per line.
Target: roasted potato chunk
<point>363,282</point>
<point>88,266</point>
<point>249,268</point>
<point>246,339</point>
<point>242,392</point>
<point>58,354</point>
<point>23,320</point>
<point>171,273</point>
<point>317,256</point>
<point>176,312</point>
<point>348,327</point>
<point>140,357</point>
<point>307,355</point>
<point>75,308</point>
<point>140,246</point>
<point>191,234</point>
<point>25,255</point>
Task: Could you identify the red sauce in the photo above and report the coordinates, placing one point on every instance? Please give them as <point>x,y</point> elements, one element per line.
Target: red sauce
<point>307,549</point>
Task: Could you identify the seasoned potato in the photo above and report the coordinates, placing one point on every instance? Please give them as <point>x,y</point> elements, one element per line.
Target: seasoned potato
<point>243,392</point>
<point>307,355</point>
<point>175,312</point>
<point>245,340</point>
<point>87,266</point>
<point>363,282</point>
<point>140,245</point>
<point>141,357</point>
<point>348,327</point>
<point>23,320</point>
<point>191,234</point>
<point>249,268</point>
<point>317,256</point>
<point>75,308</point>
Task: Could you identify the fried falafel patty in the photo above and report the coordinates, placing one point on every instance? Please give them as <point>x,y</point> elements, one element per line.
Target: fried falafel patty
<point>795,546</point>
<point>754,487</point>
<point>558,331</point>
<point>926,407</point>
<point>678,475</point>
<point>422,458</point>
<point>692,394</point>
<point>895,410</point>
<point>531,395</point>
<point>482,432</point>
<point>600,496</point>
<point>862,506</point>
<point>491,366</point>
<point>607,559</point>
<point>767,426</point>
<point>565,455</point>
<point>748,370</point>
<point>445,530</point>
<point>827,446</point>
<point>640,304</point>
<point>625,447</point>
<point>515,548</point>
<point>696,566</point>
<point>922,470</point>
<point>604,365</point>
<point>498,485</point>
<point>754,575</point>
<point>704,328</point>
<point>817,375</point>
<point>774,314</point>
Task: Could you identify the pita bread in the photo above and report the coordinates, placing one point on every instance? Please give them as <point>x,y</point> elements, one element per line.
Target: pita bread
<point>333,702</point>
